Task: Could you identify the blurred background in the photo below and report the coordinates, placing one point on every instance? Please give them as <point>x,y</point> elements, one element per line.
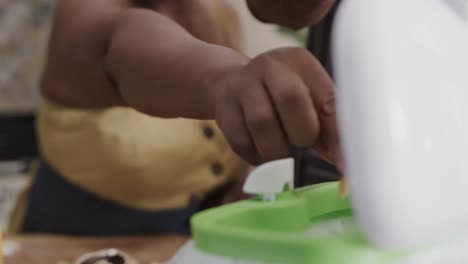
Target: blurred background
<point>24,29</point>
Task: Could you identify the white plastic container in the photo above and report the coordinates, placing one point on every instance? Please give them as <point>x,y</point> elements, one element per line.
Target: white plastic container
<point>401,68</point>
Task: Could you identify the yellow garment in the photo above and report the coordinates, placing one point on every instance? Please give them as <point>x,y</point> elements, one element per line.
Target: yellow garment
<point>134,159</point>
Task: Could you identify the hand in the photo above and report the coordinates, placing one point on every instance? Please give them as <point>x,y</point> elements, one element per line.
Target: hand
<point>229,193</point>
<point>294,14</point>
<point>281,98</point>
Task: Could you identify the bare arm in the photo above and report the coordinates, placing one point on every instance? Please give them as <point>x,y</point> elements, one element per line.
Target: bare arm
<point>111,52</point>
<point>162,70</point>
<point>108,52</point>
<point>294,14</point>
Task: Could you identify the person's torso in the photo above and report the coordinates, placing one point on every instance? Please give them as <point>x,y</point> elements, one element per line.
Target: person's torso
<point>134,159</point>
<point>131,158</point>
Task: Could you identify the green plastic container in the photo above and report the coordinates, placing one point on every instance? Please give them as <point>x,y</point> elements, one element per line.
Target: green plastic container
<point>275,232</point>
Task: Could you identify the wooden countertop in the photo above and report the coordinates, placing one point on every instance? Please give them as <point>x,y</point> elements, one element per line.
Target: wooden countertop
<point>48,249</point>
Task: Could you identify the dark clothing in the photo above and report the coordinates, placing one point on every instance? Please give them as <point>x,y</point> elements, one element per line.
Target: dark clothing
<point>319,40</point>
<point>58,206</point>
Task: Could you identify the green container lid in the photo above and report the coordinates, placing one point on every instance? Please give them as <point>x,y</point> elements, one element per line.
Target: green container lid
<point>276,232</point>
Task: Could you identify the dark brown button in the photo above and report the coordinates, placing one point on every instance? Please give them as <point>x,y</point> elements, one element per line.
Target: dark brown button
<point>217,168</point>
<point>208,131</point>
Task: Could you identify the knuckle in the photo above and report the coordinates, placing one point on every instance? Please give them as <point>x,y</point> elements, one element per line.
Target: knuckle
<point>260,119</point>
<point>267,61</point>
<point>272,71</point>
<point>231,85</point>
<point>241,84</point>
<point>298,52</point>
<point>288,96</point>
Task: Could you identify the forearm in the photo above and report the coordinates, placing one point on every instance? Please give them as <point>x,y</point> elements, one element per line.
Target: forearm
<point>294,14</point>
<point>160,69</point>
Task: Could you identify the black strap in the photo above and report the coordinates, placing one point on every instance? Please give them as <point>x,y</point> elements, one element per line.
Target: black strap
<point>319,41</point>
<point>58,206</point>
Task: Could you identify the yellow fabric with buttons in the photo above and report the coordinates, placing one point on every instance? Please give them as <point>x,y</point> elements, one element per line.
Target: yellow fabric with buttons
<point>134,159</point>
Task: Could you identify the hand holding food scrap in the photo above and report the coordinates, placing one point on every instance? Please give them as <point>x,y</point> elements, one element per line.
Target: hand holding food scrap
<point>281,98</point>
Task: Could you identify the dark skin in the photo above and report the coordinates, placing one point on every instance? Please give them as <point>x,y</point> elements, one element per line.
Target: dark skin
<point>116,53</point>
<point>292,14</point>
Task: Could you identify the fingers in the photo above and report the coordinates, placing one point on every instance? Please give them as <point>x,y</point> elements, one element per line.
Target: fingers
<point>280,99</point>
<point>323,95</point>
<point>262,121</point>
<point>239,138</point>
<point>231,120</point>
<point>322,92</point>
<point>294,106</point>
